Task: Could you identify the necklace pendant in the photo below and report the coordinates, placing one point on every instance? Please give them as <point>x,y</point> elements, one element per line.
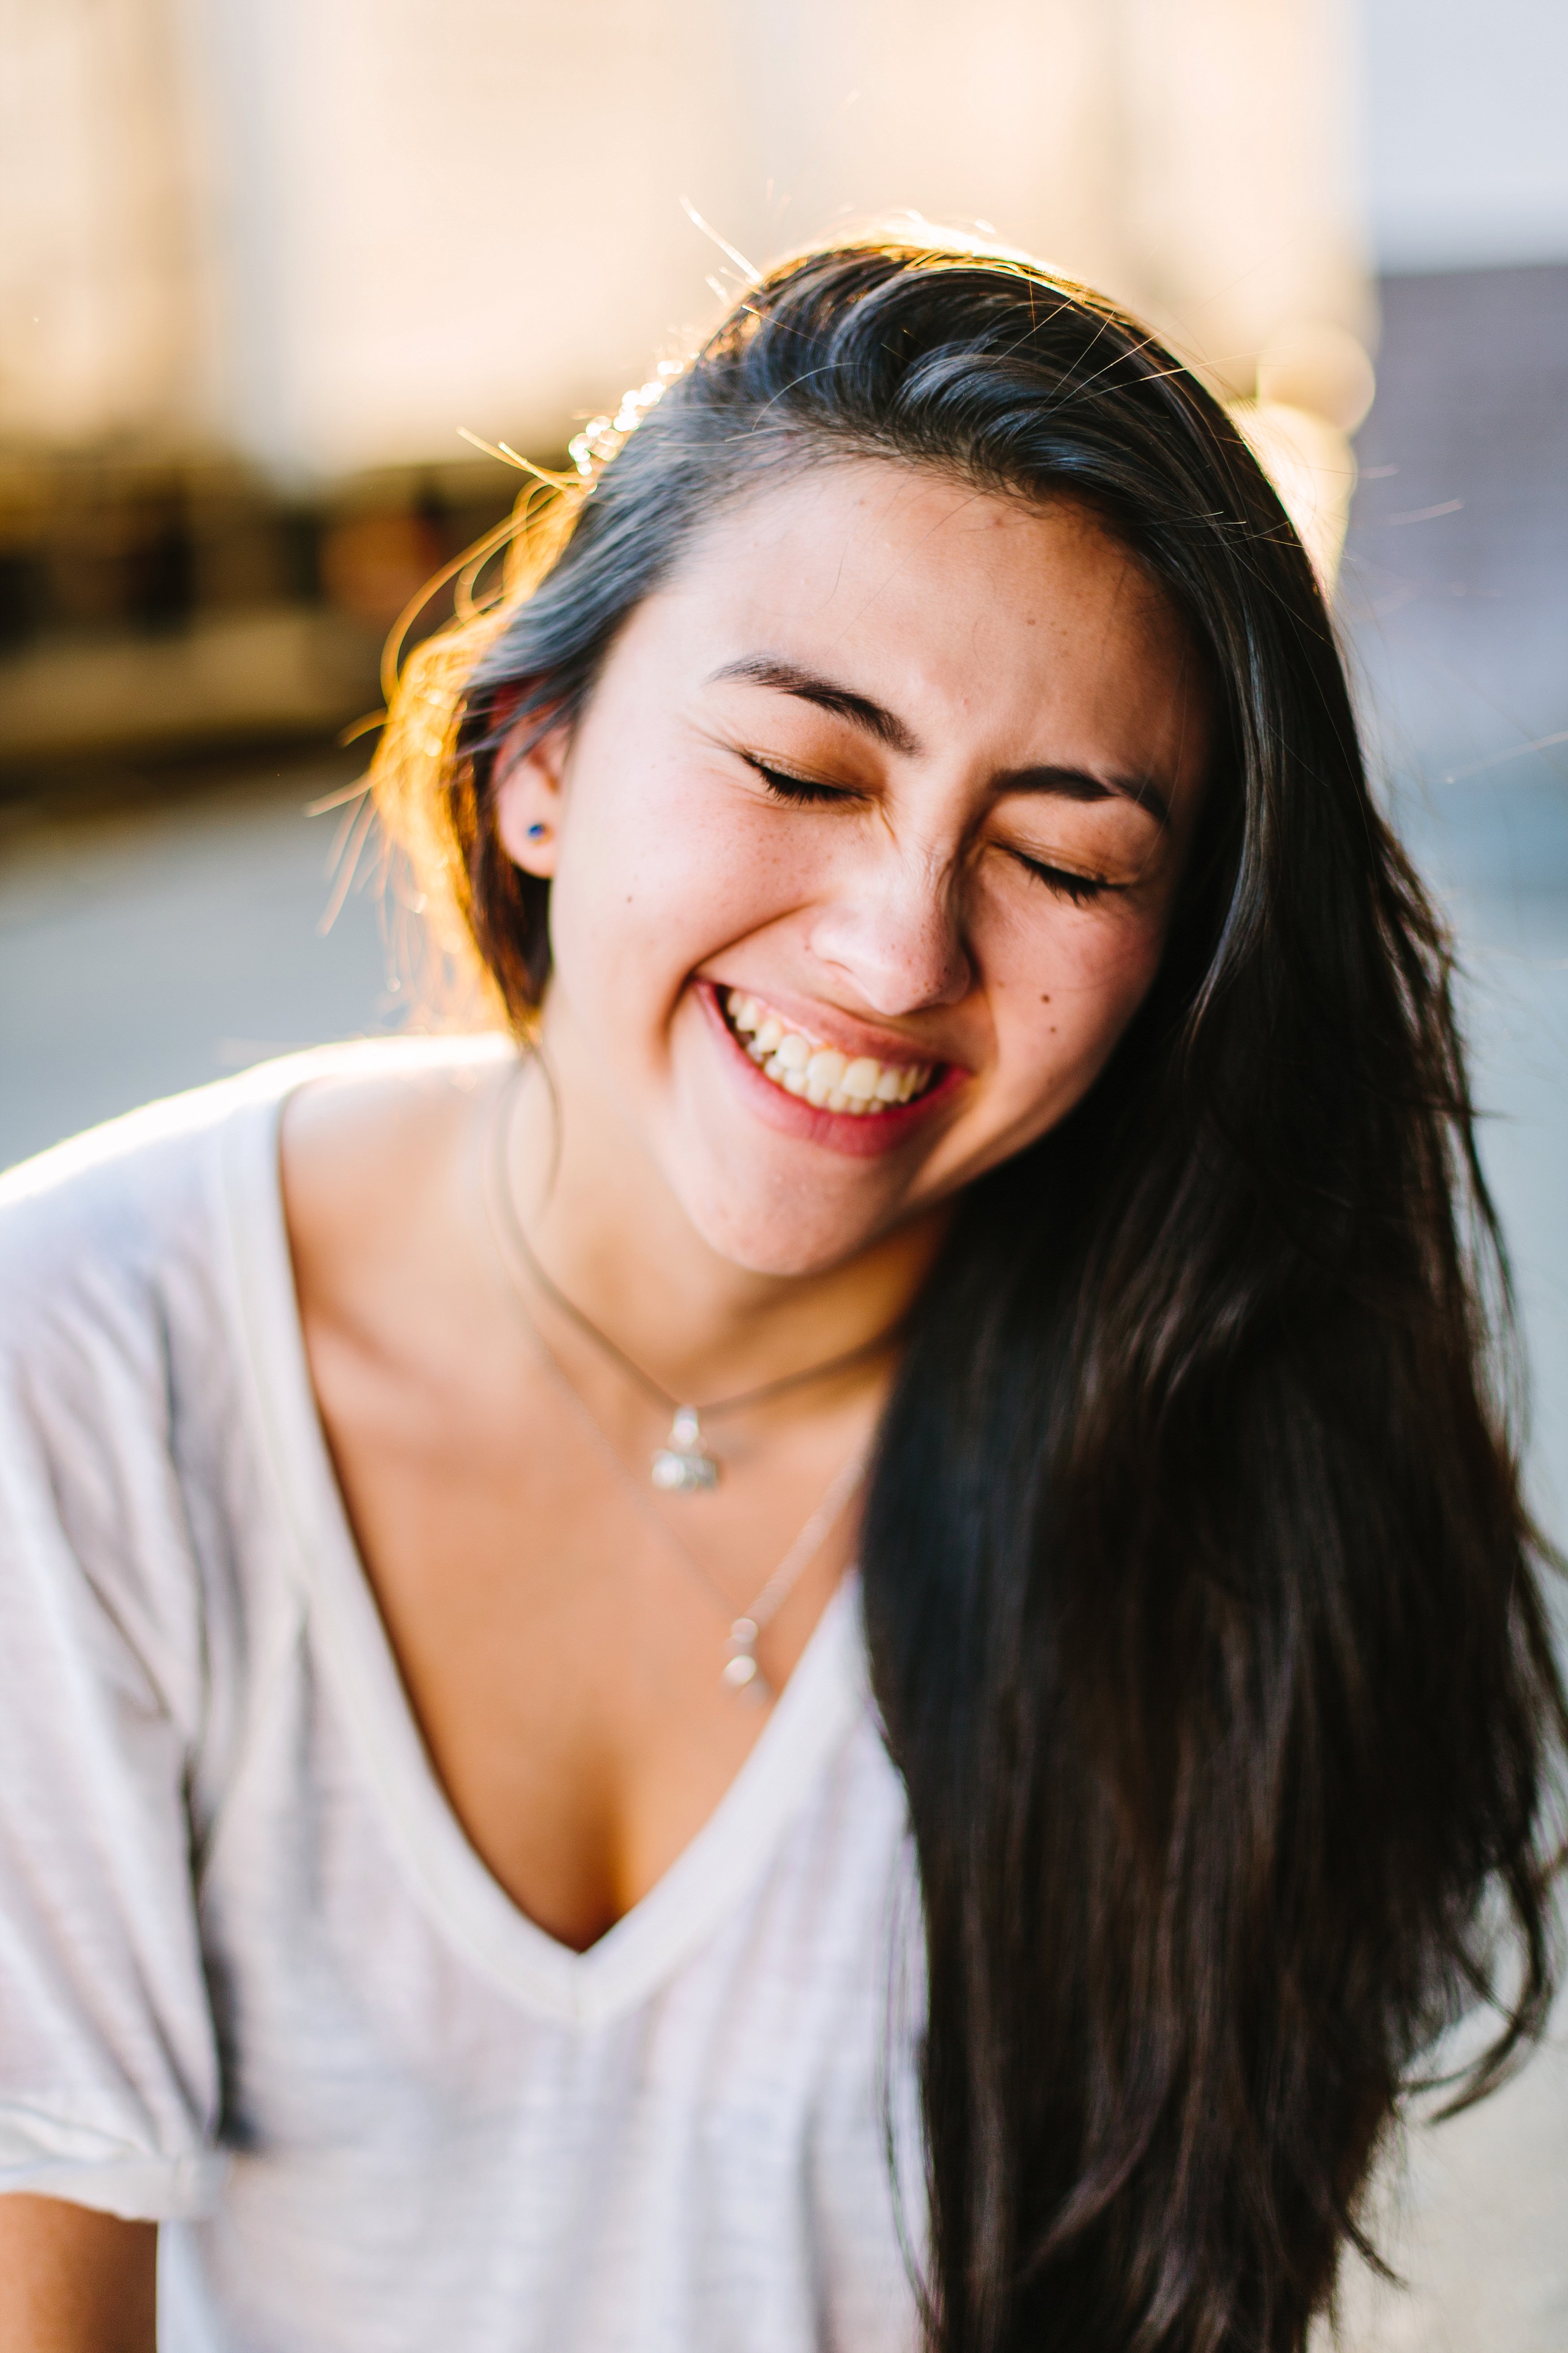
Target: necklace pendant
<point>682,1465</point>
<point>740,1673</point>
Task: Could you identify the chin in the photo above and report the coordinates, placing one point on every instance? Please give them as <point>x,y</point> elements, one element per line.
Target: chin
<point>789,1241</point>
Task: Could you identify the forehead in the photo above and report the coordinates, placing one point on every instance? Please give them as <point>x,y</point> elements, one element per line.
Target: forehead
<point>976,601</point>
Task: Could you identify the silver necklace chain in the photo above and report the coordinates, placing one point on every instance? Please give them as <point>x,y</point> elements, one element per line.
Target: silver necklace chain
<point>683,1464</point>
<point>741,1672</point>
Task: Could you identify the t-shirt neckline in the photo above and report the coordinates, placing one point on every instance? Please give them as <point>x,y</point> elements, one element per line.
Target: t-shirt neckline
<point>823,1700</point>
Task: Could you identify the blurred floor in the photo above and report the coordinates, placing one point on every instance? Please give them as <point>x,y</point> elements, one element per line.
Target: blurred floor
<point>156,945</point>
<point>1475,2216</point>
<point>1516,1003</point>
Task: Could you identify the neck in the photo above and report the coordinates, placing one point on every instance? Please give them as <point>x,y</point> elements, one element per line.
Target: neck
<point>612,1236</point>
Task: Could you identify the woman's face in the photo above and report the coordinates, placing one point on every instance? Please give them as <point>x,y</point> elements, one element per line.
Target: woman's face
<point>864,852</point>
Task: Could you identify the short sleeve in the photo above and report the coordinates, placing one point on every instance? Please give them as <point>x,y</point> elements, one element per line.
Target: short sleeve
<point>109,2071</point>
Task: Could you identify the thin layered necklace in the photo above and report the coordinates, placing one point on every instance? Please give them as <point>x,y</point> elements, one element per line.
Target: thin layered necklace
<point>683,1464</point>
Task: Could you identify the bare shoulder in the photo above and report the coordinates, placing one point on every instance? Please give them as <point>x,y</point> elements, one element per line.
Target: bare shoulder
<point>371,1155</point>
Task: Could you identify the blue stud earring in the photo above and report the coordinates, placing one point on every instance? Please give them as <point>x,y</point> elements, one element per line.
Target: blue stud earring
<point>537,832</point>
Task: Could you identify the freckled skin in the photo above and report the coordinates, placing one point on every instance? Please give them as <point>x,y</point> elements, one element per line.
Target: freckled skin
<point>1006,637</point>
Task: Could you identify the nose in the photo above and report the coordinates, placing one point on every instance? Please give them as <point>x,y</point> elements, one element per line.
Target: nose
<point>893,928</point>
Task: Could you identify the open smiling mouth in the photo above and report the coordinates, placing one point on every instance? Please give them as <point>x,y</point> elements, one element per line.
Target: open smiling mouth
<point>819,1073</point>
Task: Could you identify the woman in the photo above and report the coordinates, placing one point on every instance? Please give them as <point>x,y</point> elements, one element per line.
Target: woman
<point>478,1867</point>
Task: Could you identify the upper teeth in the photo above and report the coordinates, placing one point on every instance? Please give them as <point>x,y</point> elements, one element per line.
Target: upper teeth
<point>827,1079</point>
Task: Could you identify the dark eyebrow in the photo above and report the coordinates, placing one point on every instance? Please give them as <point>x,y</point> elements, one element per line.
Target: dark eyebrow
<point>1078,784</point>
<point>873,718</point>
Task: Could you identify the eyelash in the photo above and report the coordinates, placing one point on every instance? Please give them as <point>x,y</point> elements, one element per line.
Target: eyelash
<point>803,792</point>
<point>1081,889</point>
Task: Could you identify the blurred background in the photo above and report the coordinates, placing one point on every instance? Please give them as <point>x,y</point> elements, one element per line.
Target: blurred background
<point>260,260</point>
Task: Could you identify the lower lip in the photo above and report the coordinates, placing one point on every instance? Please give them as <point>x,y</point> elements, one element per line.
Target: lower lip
<point>838,1131</point>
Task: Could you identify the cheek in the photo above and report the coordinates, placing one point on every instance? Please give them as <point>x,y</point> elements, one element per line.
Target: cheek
<point>659,870</point>
<point>1061,1018</point>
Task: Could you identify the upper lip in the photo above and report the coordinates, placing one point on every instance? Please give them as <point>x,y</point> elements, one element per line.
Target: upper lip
<point>824,1025</point>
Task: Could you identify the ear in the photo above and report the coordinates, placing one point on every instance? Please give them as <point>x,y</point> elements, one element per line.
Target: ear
<point>529,797</point>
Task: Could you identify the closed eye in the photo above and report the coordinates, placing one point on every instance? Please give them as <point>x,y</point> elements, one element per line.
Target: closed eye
<point>802,791</point>
<point>1081,889</point>
<point>805,792</point>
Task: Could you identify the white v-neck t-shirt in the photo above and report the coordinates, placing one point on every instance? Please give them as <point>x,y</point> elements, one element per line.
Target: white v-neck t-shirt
<point>255,1984</point>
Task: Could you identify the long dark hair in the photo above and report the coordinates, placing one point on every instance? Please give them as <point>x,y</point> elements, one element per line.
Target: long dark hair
<point>1203,1608</point>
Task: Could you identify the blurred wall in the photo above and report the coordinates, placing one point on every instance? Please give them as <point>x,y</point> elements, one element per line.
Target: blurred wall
<point>321,237</point>
<point>1457,575</point>
<point>325,235</point>
<point>103,334</point>
<point>1467,132</point>
<point>260,260</point>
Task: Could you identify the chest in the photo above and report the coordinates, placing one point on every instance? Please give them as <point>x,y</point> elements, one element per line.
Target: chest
<point>444,2117</point>
<point>562,1642</point>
